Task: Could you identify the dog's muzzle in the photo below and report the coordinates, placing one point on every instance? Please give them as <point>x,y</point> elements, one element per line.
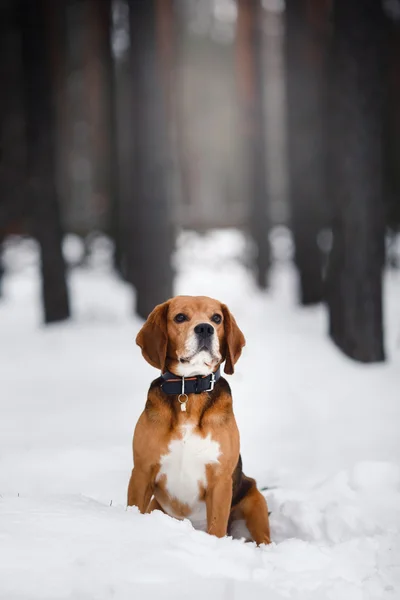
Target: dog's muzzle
<point>204,334</point>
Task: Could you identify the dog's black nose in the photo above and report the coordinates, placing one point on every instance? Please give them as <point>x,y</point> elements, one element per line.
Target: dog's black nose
<point>204,330</point>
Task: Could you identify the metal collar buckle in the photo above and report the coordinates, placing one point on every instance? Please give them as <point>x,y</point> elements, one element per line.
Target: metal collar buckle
<point>212,383</point>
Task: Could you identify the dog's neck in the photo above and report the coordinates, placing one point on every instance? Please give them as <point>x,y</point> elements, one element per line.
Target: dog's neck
<point>196,384</point>
<point>200,365</point>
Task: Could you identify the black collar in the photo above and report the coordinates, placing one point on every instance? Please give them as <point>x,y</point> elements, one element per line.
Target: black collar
<point>172,384</point>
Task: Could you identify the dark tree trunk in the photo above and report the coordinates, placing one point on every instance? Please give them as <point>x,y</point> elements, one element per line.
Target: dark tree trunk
<point>392,130</point>
<point>102,84</point>
<point>149,242</point>
<point>12,131</point>
<point>40,123</point>
<point>354,279</point>
<point>168,26</point>
<point>58,39</point>
<point>250,86</point>
<point>304,83</point>
<point>113,147</point>
<point>1,269</point>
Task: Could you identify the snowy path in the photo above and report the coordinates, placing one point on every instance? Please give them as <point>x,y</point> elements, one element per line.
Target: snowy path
<point>324,433</point>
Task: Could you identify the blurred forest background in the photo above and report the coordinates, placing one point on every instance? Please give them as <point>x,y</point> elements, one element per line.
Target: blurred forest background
<point>140,118</point>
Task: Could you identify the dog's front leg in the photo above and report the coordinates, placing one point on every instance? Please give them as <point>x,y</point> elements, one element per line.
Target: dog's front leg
<point>140,489</point>
<point>218,501</point>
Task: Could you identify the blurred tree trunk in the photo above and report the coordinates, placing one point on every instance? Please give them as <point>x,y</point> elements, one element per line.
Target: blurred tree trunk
<point>57,23</point>
<point>354,279</point>
<point>250,88</point>
<point>41,126</point>
<point>102,117</point>
<point>112,147</point>
<point>150,240</point>
<point>305,47</point>
<point>392,130</point>
<point>170,36</point>
<point>12,129</point>
<point>1,268</point>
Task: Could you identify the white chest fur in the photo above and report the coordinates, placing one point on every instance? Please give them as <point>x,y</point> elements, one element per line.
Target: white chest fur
<point>184,466</point>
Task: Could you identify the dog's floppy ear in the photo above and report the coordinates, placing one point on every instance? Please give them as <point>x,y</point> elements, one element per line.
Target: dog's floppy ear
<point>153,338</point>
<point>234,339</point>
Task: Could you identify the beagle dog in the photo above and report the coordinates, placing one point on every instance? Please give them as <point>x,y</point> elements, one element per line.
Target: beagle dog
<point>186,442</point>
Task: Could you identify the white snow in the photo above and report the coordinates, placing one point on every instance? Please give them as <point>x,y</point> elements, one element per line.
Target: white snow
<point>319,429</point>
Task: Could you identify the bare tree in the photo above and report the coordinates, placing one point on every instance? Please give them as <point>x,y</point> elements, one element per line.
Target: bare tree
<point>41,143</point>
<point>392,130</point>
<point>354,279</point>
<point>149,239</point>
<point>101,82</point>
<point>1,268</point>
<point>170,42</point>
<point>305,38</point>
<point>250,86</point>
<point>12,130</point>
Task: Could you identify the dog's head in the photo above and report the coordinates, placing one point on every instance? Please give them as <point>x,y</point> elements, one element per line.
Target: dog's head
<point>191,335</point>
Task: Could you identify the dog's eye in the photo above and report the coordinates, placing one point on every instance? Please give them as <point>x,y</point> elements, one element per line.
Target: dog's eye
<point>216,318</point>
<point>180,318</point>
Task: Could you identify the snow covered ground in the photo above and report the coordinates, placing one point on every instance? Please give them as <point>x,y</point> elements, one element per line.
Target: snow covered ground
<point>320,430</point>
